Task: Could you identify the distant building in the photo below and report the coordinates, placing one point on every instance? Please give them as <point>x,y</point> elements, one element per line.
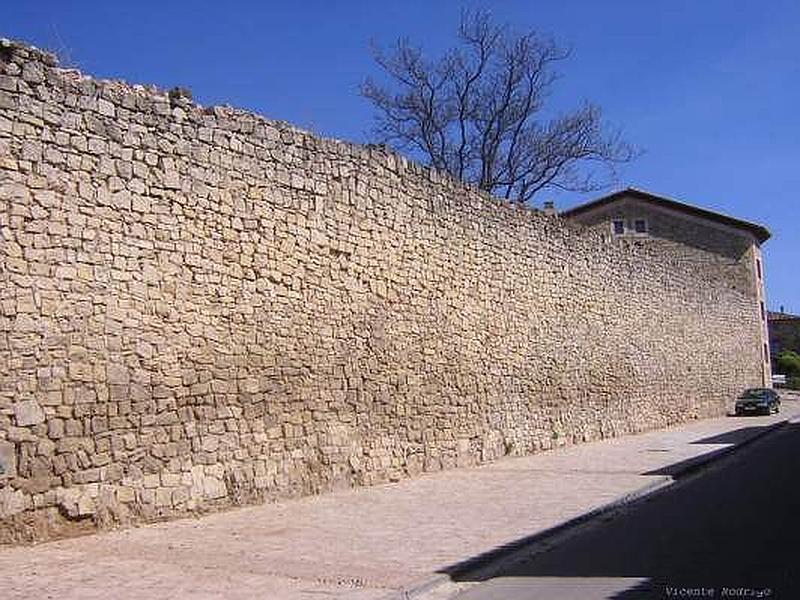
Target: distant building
<point>784,332</point>
<point>691,233</point>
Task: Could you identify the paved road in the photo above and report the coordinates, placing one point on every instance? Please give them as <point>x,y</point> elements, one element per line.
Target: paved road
<point>730,532</point>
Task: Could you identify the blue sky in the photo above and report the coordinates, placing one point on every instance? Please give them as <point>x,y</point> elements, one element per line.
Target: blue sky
<point>710,89</point>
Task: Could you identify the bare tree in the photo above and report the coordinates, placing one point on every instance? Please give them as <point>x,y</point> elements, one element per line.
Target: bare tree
<point>477,113</point>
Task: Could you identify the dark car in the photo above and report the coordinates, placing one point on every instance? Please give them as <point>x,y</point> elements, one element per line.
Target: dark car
<point>755,401</point>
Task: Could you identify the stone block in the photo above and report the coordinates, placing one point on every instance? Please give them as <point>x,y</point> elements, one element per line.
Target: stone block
<point>163,497</point>
<point>125,494</point>
<point>180,496</point>
<point>117,374</point>
<point>172,180</point>
<point>210,443</point>
<point>106,108</point>
<point>8,460</point>
<point>33,72</point>
<point>85,506</point>
<point>28,412</point>
<point>214,488</point>
<point>170,479</point>
<point>13,502</point>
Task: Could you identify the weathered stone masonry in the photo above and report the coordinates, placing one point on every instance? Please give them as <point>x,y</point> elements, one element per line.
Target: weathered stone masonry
<point>201,307</point>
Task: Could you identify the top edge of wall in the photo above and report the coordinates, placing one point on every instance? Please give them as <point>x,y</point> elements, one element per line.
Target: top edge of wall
<point>21,53</point>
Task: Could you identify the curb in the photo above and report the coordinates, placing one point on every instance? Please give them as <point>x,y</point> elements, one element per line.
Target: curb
<point>489,563</point>
<point>486,564</point>
<point>698,463</point>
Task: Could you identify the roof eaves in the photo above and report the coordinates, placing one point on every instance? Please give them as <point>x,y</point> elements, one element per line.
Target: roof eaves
<point>759,231</point>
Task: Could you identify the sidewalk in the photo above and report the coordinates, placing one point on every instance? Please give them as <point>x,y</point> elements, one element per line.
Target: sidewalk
<point>367,543</point>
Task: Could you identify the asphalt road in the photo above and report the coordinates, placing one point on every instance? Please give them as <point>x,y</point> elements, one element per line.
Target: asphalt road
<point>731,531</point>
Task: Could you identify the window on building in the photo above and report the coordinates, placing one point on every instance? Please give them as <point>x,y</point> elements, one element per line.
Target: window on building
<point>758,267</point>
<point>766,354</point>
<point>640,226</point>
<point>618,226</point>
<point>763,312</point>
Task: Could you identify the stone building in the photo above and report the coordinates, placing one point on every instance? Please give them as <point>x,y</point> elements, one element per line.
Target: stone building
<point>784,332</point>
<point>697,235</point>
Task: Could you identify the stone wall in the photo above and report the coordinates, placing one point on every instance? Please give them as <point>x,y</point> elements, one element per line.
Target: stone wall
<point>735,254</point>
<point>201,307</point>
<point>692,239</point>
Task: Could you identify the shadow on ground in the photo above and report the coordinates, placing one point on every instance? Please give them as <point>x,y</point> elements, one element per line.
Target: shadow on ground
<point>731,439</point>
<point>734,529</point>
